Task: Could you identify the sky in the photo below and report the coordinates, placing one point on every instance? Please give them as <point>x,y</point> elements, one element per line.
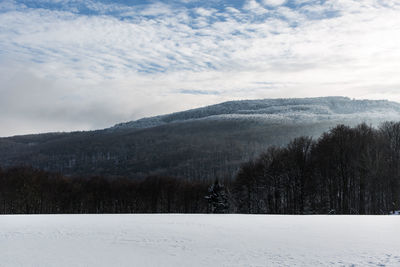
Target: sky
<point>88,64</point>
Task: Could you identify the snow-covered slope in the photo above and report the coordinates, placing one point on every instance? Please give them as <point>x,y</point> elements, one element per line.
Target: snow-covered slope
<point>281,110</point>
<point>198,240</point>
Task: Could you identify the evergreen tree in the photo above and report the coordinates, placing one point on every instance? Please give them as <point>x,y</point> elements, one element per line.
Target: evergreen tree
<point>217,198</point>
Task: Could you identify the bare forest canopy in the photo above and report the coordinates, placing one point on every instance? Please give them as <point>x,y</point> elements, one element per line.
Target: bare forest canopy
<point>348,170</point>
<point>199,144</point>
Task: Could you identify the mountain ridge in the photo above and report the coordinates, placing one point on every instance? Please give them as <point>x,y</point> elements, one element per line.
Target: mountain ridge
<point>201,143</point>
<point>257,106</point>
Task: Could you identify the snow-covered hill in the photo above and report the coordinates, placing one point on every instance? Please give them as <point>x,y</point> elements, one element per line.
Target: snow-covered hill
<point>281,110</point>
<point>198,240</point>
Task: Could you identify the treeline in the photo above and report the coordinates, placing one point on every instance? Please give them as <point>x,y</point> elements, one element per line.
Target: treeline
<point>26,191</point>
<point>348,170</point>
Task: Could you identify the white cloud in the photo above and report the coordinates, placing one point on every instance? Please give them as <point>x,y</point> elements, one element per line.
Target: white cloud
<point>205,12</point>
<point>76,71</point>
<point>255,7</point>
<point>274,2</point>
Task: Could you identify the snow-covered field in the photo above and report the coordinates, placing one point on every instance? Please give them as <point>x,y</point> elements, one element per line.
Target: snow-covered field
<point>199,240</point>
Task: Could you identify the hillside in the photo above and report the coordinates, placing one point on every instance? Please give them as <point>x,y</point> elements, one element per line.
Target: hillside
<point>196,144</point>
<point>278,110</point>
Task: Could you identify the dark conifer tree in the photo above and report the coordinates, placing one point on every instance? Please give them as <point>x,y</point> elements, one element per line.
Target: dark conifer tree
<point>217,198</point>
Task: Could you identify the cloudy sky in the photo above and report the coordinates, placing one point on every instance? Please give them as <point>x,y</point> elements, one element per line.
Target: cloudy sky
<point>88,64</point>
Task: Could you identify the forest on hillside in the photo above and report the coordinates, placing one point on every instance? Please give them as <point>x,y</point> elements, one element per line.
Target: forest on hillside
<point>198,144</point>
<point>348,170</point>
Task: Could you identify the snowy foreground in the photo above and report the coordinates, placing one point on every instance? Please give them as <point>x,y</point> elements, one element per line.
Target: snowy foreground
<point>199,240</point>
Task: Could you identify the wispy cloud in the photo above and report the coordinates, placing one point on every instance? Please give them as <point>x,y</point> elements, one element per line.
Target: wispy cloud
<point>274,2</point>
<point>88,64</point>
<point>197,92</point>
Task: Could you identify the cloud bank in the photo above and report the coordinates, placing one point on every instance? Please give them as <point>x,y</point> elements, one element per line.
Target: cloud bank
<point>69,64</point>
